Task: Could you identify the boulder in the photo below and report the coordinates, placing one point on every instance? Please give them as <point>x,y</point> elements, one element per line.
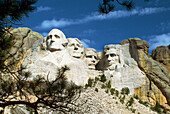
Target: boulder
<point>162,55</point>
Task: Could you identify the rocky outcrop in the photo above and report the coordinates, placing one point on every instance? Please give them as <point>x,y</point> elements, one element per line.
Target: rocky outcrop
<point>25,41</point>
<point>162,55</point>
<point>157,75</point>
<point>125,65</point>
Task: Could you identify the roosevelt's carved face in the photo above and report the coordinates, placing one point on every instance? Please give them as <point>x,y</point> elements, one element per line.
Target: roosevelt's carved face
<point>90,58</point>
<point>75,47</point>
<point>112,57</point>
<point>56,40</point>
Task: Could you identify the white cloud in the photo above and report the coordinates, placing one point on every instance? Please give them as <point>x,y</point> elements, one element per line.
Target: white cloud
<point>87,43</point>
<point>96,16</point>
<point>43,8</point>
<point>54,23</point>
<point>159,40</point>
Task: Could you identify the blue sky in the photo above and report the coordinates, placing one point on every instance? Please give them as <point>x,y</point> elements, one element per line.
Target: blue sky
<point>149,21</point>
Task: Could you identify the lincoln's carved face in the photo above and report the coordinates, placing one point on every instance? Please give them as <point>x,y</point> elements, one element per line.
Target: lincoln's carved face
<point>75,47</point>
<point>56,40</point>
<point>91,58</point>
<point>112,56</point>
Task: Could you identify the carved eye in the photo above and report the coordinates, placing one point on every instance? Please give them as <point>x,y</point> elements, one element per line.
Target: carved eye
<point>78,45</point>
<point>57,36</point>
<point>95,57</point>
<point>112,55</point>
<point>89,56</point>
<point>71,44</point>
<point>48,37</point>
<point>107,56</point>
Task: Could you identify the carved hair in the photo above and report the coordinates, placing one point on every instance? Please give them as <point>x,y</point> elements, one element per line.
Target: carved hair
<point>69,40</point>
<point>109,47</point>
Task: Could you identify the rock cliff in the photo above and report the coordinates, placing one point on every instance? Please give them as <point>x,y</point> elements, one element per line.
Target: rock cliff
<point>158,79</point>
<point>125,65</point>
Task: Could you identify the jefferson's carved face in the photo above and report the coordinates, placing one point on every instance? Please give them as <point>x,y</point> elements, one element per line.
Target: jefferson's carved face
<point>56,40</point>
<point>91,58</point>
<point>112,57</point>
<point>75,47</point>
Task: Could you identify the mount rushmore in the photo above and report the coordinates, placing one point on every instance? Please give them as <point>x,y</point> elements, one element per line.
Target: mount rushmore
<point>126,65</point>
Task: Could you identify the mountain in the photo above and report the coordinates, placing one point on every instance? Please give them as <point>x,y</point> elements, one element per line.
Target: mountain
<point>127,65</point>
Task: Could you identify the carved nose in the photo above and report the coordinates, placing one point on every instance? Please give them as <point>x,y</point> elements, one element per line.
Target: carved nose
<point>52,41</point>
<point>109,58</point>
<point>93,61</point>
<point>75,48</point>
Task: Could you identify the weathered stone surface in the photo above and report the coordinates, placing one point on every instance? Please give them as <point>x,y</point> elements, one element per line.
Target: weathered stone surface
<point>120,68</point>
<point>126,65</point>
<point>124,42</point>
<point>155,72</point>
<point>162,55</point>
<point>25,41</point>
<point>47,62</point>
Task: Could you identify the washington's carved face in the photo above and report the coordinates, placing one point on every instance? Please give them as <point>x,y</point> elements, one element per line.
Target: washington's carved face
<point>56,40</point>
<point>112,57</point>
<point>75,47</point>
<point>90,58</point>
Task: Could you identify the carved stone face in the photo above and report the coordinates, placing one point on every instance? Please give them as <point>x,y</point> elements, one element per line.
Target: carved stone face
<point>90,58</point>
<point>56,40</point>
<point>75,47</point>
<point>112,57</point>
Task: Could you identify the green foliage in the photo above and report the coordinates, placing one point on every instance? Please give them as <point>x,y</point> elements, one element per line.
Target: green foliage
<point>112,91</point>
<point>96,79</point>
<point>107,91</point>
<point>133,110</point>
<point>108,84</point>
<point>164,111</point>
<point>156,108</point>
<point>117,93</point>
<point>143,102</point>
<point>130,102</point>
<point>31,110</point>
<point>103,86</point>
<point>122,99</point>
<point>136,97</point>
<point>125,91</point>
<point>90,83</point>
<point>103,78</point>
<point>96,89</point>
<point>109,5</point>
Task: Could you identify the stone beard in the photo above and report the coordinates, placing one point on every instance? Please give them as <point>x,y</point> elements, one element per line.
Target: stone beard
<point>56,40</point>
<point>112,57</point>
<point>75,48</point>
<point>90,58</point>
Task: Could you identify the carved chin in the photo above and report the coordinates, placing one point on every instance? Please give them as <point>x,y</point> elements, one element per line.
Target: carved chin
<point>56,48</point>
<point>76,55</point>
<point>111,67</point>
<point>91,66</point>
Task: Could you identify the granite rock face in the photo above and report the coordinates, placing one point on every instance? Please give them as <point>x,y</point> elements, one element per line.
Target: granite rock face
<point>120,68</point>
<point>162,55</point>
<point>126,65</point>
<point>26,41</point>
<point>157,74</point>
